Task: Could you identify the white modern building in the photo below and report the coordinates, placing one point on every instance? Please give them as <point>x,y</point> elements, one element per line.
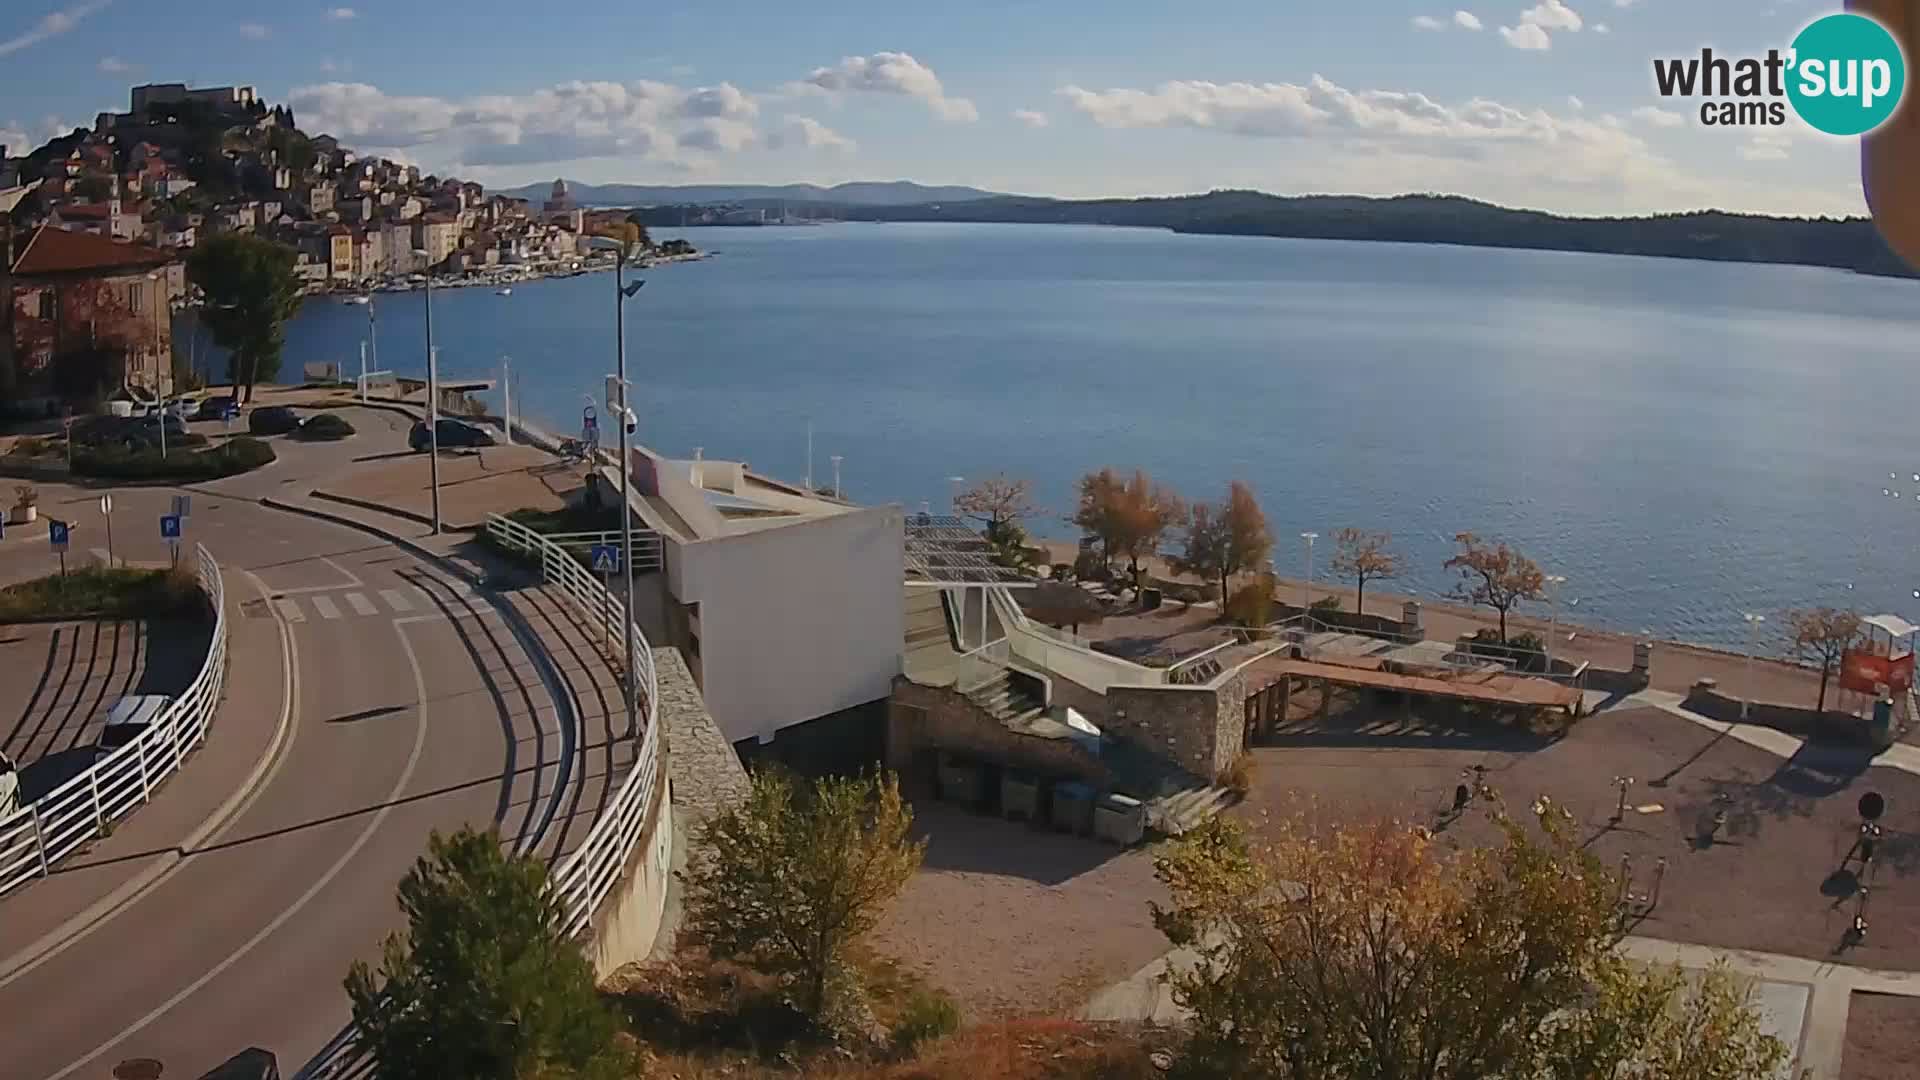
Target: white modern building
<point>785,603</point>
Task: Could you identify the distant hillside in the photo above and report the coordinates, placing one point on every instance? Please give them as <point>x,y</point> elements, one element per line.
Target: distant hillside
<point>1842,243</point>
<point>870,193</point>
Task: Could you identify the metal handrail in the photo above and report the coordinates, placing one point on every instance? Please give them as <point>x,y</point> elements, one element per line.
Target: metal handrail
<point>40,834</point>
<point>585,877</point>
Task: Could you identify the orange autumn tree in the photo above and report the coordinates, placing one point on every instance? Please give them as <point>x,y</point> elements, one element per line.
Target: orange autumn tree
<point>1494,576</point>
<point>1375,950</point>
<point>1129,517</point>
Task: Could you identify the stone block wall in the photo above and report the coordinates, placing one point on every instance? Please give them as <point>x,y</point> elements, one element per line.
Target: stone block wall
<point>1200,728</point>
<point>923,719</point>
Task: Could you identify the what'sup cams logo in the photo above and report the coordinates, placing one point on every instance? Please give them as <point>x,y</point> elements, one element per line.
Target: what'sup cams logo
<point>1844,75</point>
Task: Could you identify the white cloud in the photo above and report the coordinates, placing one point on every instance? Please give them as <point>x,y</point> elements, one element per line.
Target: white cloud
<point>1389,142</point>
<point>52,24</point>
<point>657,121</point>
<point>1602,28</point>
<point>1623,3</point>
<point>1526,36</point>
<point>1428,22</point>
<point>892,73</point>
<point>342,14</point>
<point>1551,15</point>
<point>255,31</point>
<point>113,65</point>
<point>810,133</point>
<point>16,141</point>
<point>1030,117</point>
<point>1574,103</point>
<point>1658,117</point>
<point>1466,20</point>
<point>1765,146</point>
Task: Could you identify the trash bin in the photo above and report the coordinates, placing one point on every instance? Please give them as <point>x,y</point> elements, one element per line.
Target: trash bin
<point>1120,818</point>
<point>960,781</point>
<point>1020,795</point>
<point>1073,808</point>
<point>1149,599</point>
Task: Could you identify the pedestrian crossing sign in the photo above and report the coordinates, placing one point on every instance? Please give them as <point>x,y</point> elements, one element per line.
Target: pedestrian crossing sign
<point>606,559</point>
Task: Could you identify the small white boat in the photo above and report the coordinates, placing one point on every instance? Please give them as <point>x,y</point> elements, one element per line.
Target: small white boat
<point>504,292</point>
<point>357,300</point>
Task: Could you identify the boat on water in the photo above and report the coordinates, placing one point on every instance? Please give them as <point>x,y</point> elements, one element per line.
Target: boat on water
<point>508,291</point>
<point>358,300</point>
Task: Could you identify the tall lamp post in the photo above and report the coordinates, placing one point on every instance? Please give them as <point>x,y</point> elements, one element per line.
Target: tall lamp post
<point>1553,582</point>
<point>622,292</point>
<point>433,394</point>
<point>1306,589</point>
<point>1753,633</point>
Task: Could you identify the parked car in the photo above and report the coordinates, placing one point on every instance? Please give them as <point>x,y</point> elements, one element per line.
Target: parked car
<point>9,787</point>
<point>216,407</point>
<point>452,433</point>
<point>153,422</point>
<point>128,717</point>
<point>185,407</point>
<point>272,420</point>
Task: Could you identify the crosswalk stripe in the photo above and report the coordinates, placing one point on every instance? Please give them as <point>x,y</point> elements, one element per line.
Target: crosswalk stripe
<point>361,605</point>
<point>289,610</point>
<point>324,605</point>
<point>396,599</point>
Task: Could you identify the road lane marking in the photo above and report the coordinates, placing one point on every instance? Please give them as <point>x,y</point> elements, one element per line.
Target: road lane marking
<point>361,605</point>
<point>366,834</point>
<point>210,831</point>
<point>396,599</point>
<point>324,605</point>
<point>352,579</point>
<point>289,610</point>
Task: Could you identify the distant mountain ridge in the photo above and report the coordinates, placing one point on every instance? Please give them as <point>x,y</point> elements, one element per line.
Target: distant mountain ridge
<point>857,193</point>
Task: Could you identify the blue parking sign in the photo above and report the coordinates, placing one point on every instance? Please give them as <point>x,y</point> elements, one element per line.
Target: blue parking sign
<point>169,526</point>
<point>606,559</point>
<point>57,534</point>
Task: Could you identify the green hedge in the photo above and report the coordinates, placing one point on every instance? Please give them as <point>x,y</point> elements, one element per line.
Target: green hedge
<point>118,592</point>
<point>112,462</point>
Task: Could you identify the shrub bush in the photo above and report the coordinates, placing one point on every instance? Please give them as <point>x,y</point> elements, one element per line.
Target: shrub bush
<point>1252,604</point>
<point>325,427</point>
<point>1526,652</point>
<point>1325,604</point>
<point>1239,775</point>
<point>928,1015</point>
<point>118,592</point>
<point>119,463</point>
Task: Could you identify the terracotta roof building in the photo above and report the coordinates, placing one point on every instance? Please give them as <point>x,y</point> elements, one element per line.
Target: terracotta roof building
<point>75,298</point>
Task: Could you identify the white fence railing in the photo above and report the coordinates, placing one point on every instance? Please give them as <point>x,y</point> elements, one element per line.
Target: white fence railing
<point>584,877</point>
<point>35,838</point>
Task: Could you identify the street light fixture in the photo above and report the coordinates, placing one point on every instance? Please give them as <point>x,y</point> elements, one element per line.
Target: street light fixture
<point>433,396</point>
<point>1306,590</point>
<point>622,292</point>
<point>1753,633</point>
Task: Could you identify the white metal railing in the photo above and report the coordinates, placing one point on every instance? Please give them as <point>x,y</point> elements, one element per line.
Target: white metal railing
<point>584,877</point>
<point>84,808</point>
<point>647,546</point>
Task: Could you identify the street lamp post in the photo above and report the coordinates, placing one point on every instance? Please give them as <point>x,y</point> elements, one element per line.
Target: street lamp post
<point>1753,633</point>
<point>433,397</point>
<point>1553,581</point>
<point>1306,589</point>
<point>621,293</point>
<point>953,497</point>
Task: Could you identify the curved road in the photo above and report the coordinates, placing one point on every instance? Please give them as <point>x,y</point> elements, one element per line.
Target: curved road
<point>414,707</point>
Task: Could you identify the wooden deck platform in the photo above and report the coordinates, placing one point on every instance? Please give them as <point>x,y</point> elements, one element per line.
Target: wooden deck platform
<point>1481,687</point>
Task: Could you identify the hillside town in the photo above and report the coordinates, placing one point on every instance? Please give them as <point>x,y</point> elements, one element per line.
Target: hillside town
<point>95,225</point>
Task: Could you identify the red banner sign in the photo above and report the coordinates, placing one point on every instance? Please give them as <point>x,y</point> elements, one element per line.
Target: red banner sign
<point>1866,671</point>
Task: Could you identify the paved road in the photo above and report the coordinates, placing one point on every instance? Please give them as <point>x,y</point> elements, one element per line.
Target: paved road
<point>414,707</point>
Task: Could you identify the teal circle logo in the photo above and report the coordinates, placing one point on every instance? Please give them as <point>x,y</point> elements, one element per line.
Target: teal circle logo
<point>1847,74</point>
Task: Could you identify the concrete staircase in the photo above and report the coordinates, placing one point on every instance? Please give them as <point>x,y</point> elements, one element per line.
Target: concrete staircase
<point>1177,801</point>
<point>1005,701</point>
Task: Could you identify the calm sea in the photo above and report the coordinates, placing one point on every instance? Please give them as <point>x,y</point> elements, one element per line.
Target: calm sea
<point>1681,440</point>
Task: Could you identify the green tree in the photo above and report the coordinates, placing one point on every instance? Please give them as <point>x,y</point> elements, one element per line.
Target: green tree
<point>794,876</point>
<point>1494,576</point>
<point>484,985</point>
<point>1376,951</point>
<point>251,291</point>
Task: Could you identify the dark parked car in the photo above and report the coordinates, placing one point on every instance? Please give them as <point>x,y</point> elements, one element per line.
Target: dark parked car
<point>272,420</point>
<point>215,408</point>
<point>452,433</point>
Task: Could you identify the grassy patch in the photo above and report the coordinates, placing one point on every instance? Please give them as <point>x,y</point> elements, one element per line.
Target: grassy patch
<point>548,522</point>
<point>119,592</point>
<point>236,456</point>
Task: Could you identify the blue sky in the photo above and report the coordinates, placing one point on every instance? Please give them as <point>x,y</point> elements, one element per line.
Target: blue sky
<point>1070,97</point>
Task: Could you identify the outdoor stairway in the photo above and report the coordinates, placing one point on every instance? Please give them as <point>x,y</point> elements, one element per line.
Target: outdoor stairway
<point>1005,702</point>
<point>930,658</point>
<point>1177,801</point>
